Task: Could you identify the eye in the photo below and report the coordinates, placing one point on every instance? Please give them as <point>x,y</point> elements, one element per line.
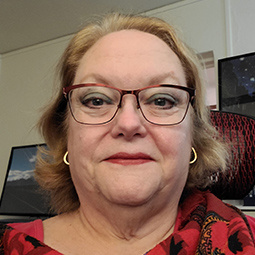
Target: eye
<point>162,101</point>
<point>95,100</point>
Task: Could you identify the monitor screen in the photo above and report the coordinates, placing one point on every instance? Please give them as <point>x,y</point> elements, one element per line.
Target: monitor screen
<point>237,84</point>
<point>21,195</point>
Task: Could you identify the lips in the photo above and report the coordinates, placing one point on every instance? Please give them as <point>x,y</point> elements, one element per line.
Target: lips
<point>124,158</point>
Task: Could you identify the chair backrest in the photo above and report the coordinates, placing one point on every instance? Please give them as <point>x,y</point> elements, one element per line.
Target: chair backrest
<point>239,132</point>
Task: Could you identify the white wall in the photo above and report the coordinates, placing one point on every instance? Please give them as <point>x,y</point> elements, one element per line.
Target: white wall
<point>201,23</point>
<point>26,81</point>
<point>26,76</point>
<point>240,18</point>
<point>0,66</point>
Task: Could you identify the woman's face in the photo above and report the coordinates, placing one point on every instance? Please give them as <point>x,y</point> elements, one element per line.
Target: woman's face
<point>129,161</point>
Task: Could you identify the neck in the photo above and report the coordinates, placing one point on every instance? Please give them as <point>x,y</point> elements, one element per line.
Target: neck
<point>142,225</point>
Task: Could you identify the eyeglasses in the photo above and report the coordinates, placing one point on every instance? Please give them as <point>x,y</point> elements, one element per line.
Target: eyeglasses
<point>96,104</point>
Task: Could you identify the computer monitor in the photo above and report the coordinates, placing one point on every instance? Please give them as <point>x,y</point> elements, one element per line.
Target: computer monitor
<point>237,84</point>
<point>21,194</point>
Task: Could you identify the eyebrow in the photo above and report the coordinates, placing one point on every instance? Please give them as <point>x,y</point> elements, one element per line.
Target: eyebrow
<point>161,77</point>
<point>157,79</point>
<point>94,77</point>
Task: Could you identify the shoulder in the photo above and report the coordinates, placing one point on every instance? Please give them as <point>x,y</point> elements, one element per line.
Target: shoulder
<point>251,221</point>
<point>15,240</point>
<point>33,228</point>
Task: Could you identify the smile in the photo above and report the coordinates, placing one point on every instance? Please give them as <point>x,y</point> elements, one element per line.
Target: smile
<point>123,158</point>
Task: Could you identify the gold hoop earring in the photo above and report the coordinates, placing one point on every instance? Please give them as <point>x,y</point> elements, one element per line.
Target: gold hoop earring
<point>195,156</point>
<point>65,158</point>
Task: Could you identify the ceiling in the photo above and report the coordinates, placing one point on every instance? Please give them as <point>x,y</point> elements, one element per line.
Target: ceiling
<point>25,23</point>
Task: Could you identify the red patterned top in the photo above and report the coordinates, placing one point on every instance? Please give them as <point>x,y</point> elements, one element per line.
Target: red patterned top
<point>205,225</point>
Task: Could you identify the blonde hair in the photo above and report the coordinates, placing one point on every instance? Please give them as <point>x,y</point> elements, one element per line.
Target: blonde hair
<point>54,175</point>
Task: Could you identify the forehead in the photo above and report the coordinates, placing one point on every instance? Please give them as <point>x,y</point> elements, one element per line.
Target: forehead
<point>130,53</point>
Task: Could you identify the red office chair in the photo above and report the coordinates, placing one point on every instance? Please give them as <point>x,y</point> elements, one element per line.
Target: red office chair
<point>239,131</point>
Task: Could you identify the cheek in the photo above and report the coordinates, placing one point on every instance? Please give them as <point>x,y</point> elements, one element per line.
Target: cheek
<point>82,138</point>
<point>175,141</point>
<point>79,144</point>
<point>80,156</point>
<point>174,145</point>
<point>84,142</point>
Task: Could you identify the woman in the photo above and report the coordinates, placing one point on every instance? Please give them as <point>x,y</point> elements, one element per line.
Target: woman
<point>130,142</point>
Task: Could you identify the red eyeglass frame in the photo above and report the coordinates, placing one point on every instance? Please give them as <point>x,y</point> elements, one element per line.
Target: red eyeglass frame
<point>191,92</point>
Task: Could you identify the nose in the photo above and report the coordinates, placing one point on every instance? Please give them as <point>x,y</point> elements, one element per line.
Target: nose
<point>129,122</point>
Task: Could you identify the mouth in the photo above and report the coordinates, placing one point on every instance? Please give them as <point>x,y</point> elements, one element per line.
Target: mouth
<point>123,158</point>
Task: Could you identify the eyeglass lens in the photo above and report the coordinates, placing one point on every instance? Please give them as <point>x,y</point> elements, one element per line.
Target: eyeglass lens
<point>98,104</point>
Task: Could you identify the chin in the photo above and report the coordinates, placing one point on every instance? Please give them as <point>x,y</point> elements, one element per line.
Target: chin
<point>130,189</point>
<point>132,198</point>
<point>131,202</point>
